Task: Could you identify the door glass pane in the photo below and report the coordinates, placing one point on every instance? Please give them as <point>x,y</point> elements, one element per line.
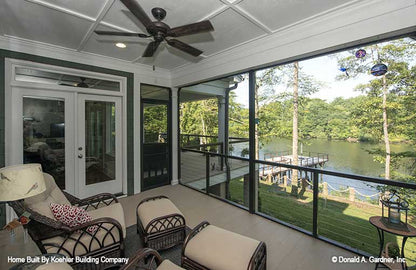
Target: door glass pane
<point>44,135</point>
<point>155,145</point>
<point>100,141</point>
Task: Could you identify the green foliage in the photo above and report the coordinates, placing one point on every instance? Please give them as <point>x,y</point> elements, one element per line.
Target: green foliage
<point>155,122</point>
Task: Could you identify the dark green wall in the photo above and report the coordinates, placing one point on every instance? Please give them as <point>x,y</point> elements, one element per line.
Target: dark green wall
<point>51,61</point>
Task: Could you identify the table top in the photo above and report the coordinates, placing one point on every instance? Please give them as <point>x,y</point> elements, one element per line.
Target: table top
<point>378,222</point>
<point>15,246</point>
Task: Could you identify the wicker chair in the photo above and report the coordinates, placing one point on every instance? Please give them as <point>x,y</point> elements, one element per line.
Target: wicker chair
<point>52,236</point>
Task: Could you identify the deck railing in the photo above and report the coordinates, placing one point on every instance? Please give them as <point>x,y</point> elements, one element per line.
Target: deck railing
<point>323,215</point>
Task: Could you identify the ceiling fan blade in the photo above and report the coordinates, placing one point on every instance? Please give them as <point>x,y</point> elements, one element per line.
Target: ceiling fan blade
<point>151,49</point>
<point>190,29</point>
<point>184,47</point>
<point>122,34</point>
<point>138,11</point>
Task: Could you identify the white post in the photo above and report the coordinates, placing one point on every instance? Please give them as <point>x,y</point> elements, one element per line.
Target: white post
<point>175,136</point>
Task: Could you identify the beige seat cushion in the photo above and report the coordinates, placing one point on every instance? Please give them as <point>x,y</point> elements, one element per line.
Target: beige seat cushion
<point>53,194</point>
<point>150,210</point>
<point>114,210</point>
<point>219,249</point>
<point>168,265</point>
<point>54,266</point>
<point>101,239</point>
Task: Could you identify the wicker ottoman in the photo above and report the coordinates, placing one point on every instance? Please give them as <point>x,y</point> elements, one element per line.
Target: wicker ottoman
<point>160,223</point>
<point>210,247</point>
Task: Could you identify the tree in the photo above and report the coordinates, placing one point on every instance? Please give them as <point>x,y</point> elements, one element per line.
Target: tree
<point>301,84</point>
<point>394,54</point>
<point>295,137</point>
<point>266,80</point>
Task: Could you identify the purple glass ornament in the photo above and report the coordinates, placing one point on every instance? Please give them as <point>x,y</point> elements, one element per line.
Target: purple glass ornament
<point>360,53</point>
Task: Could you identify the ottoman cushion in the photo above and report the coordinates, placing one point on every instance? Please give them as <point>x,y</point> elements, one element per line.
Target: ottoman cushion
<point>168,265</point>
<point>150,210</point>
<point>219,249</point>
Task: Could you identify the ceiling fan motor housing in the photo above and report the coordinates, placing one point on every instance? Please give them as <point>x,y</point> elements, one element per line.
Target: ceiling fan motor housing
<point>158,13</point>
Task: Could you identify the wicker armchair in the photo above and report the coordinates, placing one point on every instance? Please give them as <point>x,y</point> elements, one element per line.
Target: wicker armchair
<point>52,236</point>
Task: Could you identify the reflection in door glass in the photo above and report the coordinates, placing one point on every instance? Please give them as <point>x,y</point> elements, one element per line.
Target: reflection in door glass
<point>44,135</point>
<point>100,139</point>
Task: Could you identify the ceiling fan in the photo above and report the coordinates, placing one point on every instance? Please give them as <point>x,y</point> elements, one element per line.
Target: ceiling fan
<point>160,30</point>
<point>82,83</point>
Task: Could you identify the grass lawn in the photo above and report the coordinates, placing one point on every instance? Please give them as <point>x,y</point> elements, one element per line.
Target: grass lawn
<point>338,220</point>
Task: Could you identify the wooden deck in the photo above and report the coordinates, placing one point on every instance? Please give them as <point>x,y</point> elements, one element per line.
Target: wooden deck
<point>193,169</point>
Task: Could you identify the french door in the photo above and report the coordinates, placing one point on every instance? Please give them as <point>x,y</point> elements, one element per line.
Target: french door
<point>75,137</point>
<point>99,144</point>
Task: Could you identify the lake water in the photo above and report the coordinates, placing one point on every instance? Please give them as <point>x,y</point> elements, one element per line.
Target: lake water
<point>344,157</point>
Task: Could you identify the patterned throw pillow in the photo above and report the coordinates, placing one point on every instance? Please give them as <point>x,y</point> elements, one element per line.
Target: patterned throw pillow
<point>71,216</point>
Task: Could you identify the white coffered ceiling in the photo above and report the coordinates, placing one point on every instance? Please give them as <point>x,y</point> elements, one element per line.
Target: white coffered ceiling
<point>70,24</point>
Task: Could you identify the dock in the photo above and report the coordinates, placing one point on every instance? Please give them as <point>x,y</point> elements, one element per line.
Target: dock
<point>193,167</point>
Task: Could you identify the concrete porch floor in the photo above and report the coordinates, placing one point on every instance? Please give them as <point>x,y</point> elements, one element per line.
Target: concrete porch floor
<point>286,248</point>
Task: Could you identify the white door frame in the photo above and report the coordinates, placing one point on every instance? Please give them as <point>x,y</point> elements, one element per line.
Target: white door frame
<point>11,83</point>
<point>112,186</point>
<point>16,128</point>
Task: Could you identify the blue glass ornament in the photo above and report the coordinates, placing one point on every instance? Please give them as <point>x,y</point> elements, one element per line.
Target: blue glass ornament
<point>360,53</point>
<point>343,69</point>
<point>379,70</point>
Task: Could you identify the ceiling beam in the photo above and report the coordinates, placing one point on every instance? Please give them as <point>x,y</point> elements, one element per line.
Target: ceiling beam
<point>90,31</point>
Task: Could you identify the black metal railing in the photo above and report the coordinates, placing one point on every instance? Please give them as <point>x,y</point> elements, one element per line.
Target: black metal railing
<point>312,178</point>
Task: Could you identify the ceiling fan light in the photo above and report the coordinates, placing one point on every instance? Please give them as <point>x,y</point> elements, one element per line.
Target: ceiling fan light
<point>121,45</point>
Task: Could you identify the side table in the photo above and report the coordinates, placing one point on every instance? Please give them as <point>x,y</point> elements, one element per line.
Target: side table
<point>377,222</point>
<point>16,245</point>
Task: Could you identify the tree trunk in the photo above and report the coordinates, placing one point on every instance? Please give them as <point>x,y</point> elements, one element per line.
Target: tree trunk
<point>295,138</point>
<point>385,130</point>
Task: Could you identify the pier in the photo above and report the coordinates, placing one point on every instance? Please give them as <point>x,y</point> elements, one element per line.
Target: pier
<point>193,164</point>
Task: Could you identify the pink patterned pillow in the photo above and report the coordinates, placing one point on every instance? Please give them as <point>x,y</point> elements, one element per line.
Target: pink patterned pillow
<point>71,215</point>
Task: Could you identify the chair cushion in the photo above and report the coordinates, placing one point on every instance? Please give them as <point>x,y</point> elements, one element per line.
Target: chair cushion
<point>168,265</point>
<point>150,210</point>
<point>53,194</point>
<point>71,215</point>
<point>114,210</point>
<point>219,249</point>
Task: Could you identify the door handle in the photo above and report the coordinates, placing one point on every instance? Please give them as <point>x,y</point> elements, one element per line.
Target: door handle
<point>80,156</point>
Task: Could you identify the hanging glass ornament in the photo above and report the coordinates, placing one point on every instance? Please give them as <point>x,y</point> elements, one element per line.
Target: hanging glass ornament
<point>360,53</point>
<point>379,70</point>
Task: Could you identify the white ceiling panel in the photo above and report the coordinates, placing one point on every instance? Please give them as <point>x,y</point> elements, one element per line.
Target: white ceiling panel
<point>279,13</point>
<point>230,29</point>
<point>106,46</point>
<point>67,22</point>
<point>35,22</point>
<point>89,8</point>
<point>179,12</point>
